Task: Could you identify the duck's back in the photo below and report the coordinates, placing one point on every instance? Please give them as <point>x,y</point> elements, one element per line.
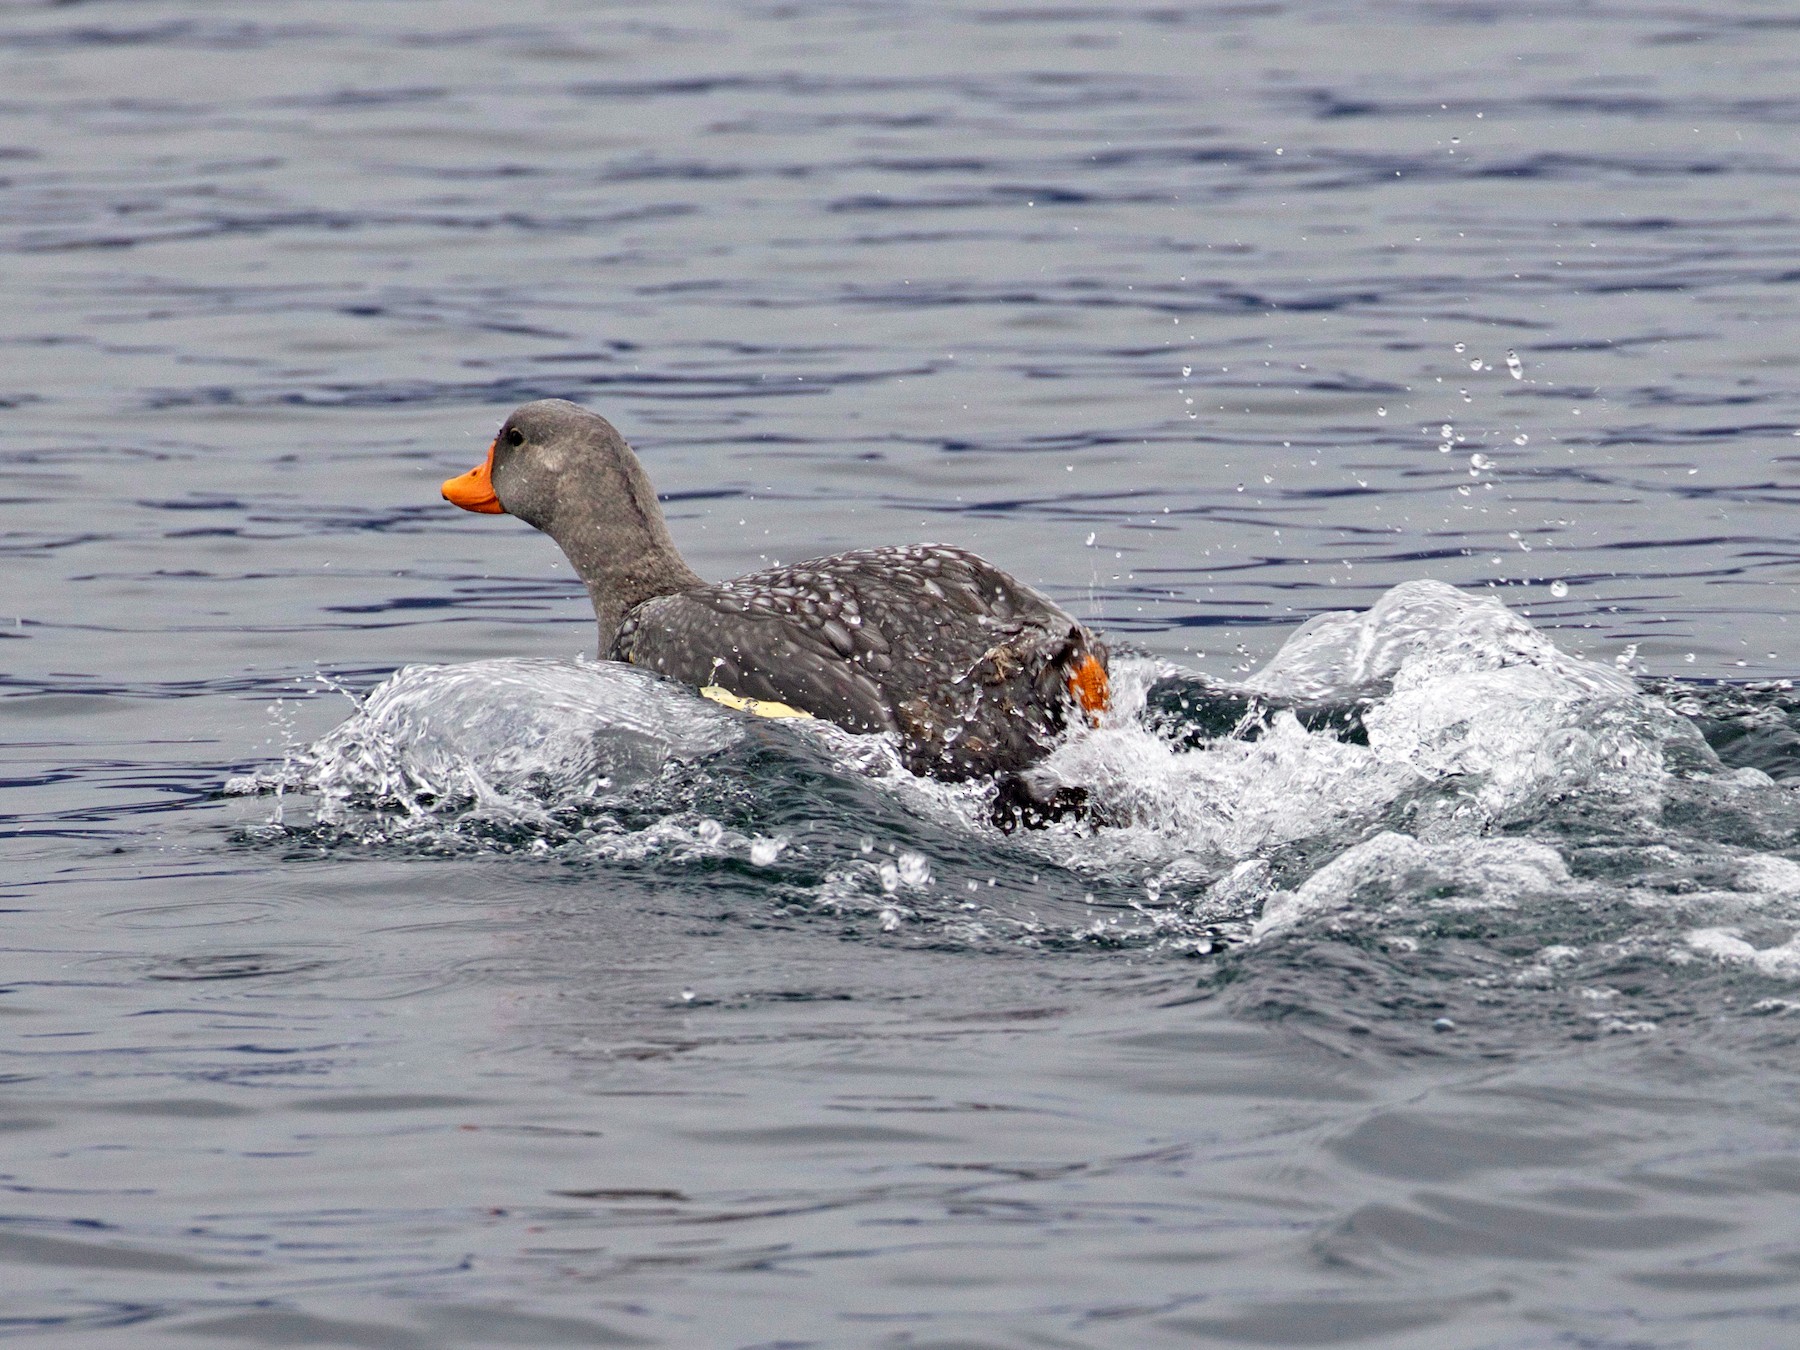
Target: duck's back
<point>975,671</point>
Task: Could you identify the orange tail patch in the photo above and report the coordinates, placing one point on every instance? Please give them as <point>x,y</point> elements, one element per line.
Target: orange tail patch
<point>1090,688</point>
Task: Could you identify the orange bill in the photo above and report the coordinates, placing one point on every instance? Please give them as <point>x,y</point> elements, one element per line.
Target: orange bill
<point>474,490</point>
<point>1090,688</point>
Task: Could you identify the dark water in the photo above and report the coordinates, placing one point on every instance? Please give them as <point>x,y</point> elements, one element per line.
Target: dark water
<point>537,1009</point>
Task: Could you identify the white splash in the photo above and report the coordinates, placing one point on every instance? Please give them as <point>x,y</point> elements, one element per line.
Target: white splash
<point>1472,718</point>
<point>1228,800</point>
<point>1461,874</point>
<point>1781,961</point>
<point>1460,696</point>
<point>498,731</point>
<point>1426,629</point>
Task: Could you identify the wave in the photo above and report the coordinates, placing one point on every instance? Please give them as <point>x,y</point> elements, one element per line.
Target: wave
<point>1431,765</point>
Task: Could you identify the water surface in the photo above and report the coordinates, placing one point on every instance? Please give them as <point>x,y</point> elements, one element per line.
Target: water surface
<point>666,1028</point>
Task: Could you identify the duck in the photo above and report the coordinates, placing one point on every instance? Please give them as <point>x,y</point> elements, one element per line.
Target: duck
<point>974,673</point>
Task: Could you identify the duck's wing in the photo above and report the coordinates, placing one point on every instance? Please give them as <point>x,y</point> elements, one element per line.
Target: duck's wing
<point>709,636</point>
<point>995,668</point>
<point>972,667</point>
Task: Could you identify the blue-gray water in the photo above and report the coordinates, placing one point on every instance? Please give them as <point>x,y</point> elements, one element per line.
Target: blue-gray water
<point>1482,1035</point>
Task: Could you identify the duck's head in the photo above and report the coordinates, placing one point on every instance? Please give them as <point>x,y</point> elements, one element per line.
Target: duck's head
<point>548,457</point>
<point>565,470</point>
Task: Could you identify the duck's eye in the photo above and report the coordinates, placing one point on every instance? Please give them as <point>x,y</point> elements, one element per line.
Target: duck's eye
<point>514,437</point>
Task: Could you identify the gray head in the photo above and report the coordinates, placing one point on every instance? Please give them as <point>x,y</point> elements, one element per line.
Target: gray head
<point>568,472</point>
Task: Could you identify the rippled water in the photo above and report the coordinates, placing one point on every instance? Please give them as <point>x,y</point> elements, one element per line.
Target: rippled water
<point>381,971</point>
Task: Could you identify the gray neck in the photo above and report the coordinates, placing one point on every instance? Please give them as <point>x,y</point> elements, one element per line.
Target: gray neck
<point>613,534</point>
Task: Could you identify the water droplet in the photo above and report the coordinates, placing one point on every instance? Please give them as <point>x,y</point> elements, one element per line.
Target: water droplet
<point>1186,371</point>
<point>764,851</point>
<point>1559,588</point>
<point>1514,366</point>
<point>1521,439</point>
<point>914,868</point>
<point>1461,347</point>
<point>1689,658</point>
<point>709,832</point>
<point>1447,431</point>
<point>687,995</point>
<point>1381,412</point>
<point>889,875</point>
<point>1479,461</point>
<point>1475,364</point>
<point>1090,539</point>
<point>1443,1024</point>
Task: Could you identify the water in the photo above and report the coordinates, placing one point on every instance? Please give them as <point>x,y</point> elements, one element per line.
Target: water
<point>506,999</point>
